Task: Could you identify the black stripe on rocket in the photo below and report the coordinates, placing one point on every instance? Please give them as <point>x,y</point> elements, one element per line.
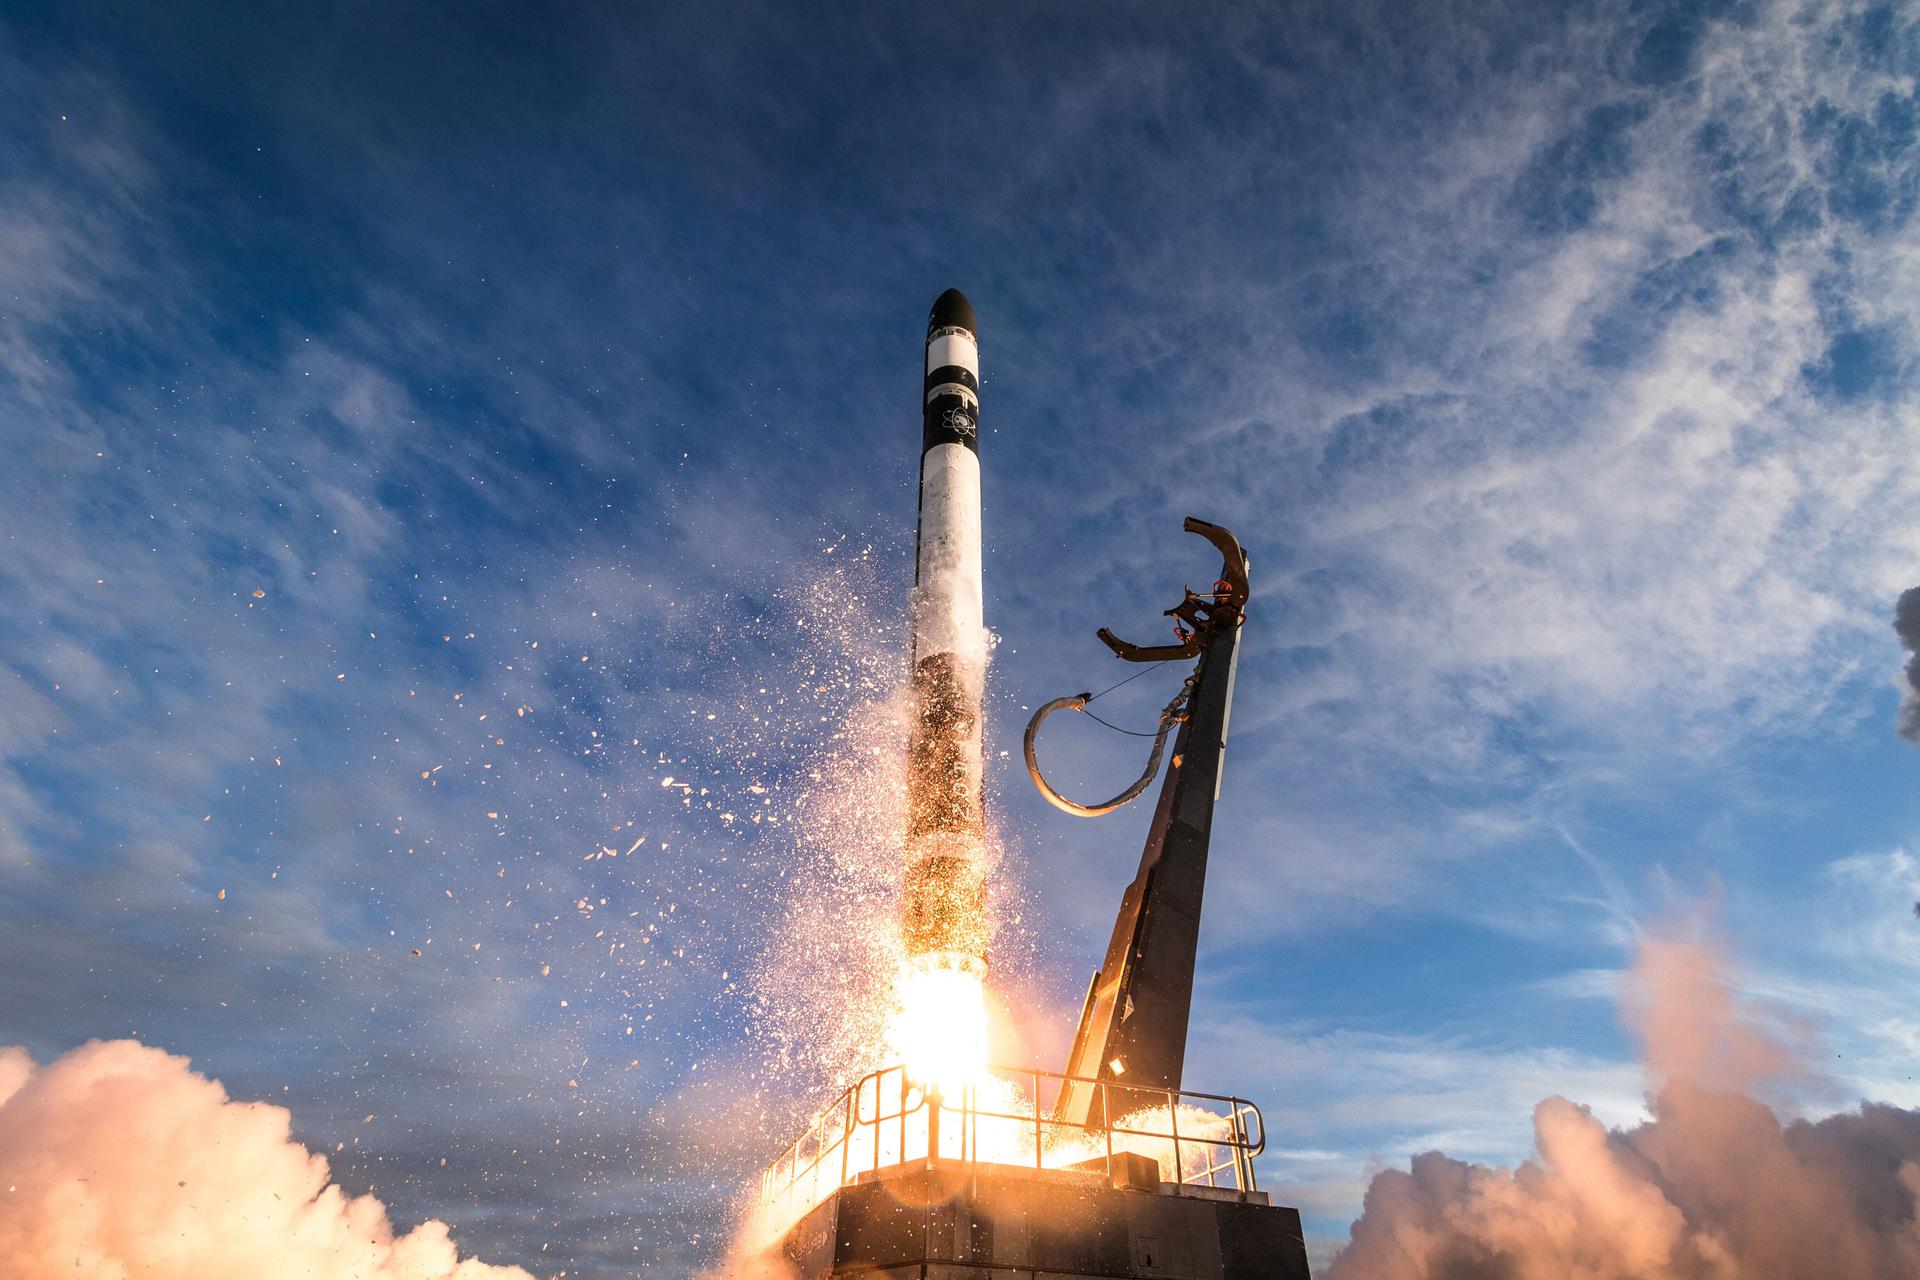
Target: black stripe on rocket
<point>950,412</point>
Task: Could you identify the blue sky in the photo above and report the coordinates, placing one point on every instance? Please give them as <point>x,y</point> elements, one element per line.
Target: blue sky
<point>1556,365</point>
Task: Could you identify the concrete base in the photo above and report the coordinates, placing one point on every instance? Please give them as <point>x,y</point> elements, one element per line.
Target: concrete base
<point>934,1221</point>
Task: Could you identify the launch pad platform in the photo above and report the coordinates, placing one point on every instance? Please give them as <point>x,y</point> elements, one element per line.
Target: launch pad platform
<point>1000,1222</point>
<point>892,1183</point>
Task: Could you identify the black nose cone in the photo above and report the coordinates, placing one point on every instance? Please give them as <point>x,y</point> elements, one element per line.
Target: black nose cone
<point>952,310</point>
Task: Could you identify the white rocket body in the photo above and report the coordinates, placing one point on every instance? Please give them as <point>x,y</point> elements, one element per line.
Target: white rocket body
<point>945,919</point>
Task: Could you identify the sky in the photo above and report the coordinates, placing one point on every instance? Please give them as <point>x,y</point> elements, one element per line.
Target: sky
<point>446,443</point>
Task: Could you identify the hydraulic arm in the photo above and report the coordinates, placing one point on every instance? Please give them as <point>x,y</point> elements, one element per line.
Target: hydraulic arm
<point>1133,1027</point>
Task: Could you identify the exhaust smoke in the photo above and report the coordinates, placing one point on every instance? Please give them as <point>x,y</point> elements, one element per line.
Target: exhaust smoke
<point>1714,1187</point>
<point>120,1160</point>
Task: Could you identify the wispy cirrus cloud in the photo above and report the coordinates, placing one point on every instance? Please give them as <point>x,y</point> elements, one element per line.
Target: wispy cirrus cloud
<point>1576,461</point>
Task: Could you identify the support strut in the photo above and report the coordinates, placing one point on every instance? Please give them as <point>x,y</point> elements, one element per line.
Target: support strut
<point>1133,1028</point>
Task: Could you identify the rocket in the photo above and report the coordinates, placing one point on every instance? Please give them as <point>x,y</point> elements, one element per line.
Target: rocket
<point>943,915</point>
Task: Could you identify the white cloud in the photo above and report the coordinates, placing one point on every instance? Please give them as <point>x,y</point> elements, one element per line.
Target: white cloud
<point>119,1160</point>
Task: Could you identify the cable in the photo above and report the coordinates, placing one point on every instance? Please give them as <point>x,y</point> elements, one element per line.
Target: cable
<point>1135,676</point>
<point>1175,712</point>
<point>1131,733</point>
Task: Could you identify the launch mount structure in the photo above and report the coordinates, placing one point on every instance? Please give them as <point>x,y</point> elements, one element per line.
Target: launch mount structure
<point>1133,1026</point>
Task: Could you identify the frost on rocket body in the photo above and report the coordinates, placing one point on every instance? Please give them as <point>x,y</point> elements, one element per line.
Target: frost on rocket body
<point>119,1160</point>
<point>949,641</point>
<point>943,908</point>
<point>948,612</point>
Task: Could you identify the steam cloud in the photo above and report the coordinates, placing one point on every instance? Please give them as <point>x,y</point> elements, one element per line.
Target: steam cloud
<point>1714,1187</point>
<point>1906,625</point>
<point>119,1160</point>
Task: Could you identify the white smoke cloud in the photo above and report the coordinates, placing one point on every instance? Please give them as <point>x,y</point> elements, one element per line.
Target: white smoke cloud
<point>120,1160</point>
<point>1713,1187</point>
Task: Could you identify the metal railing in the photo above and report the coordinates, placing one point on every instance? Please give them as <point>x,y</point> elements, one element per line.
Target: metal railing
<point>886,1119</point>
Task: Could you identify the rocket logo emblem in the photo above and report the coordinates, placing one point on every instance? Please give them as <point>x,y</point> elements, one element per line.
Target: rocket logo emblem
<point>958,421</point>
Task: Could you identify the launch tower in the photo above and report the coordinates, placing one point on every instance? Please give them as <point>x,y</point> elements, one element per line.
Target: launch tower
<point>1109,1170</point>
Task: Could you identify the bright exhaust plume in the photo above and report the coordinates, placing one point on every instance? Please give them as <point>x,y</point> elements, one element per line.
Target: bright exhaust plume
<point>939,1033</point>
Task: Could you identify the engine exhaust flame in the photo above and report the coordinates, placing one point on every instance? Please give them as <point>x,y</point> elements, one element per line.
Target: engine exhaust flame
<point>939,1031</point>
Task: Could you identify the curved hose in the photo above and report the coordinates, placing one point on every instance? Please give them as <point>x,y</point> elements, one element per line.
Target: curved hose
<point>1174,713</point>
